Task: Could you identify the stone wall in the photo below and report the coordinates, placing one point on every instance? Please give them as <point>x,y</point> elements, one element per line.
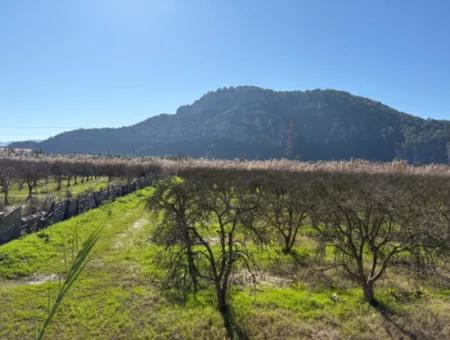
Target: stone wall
<point>12,225</point>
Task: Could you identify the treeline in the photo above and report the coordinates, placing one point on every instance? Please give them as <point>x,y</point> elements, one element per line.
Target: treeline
<point>27,171</point>
<point>363,223</point>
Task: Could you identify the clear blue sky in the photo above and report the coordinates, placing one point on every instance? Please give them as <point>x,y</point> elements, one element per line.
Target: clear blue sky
<point>94,63</point>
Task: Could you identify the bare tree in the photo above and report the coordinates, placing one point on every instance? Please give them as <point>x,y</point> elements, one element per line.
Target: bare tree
<point>7,175</point>
<point>176,200</point>
<point>29,172</point>
<point>56,169</point>
<point>232,206</point>
<point>434,194</point>
<point>221,212</point>
<point>370,222</point>
<point>285,206</point>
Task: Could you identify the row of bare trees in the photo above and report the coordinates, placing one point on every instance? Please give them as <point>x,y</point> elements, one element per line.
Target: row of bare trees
<point>365,223</point>
<point>28,171</point>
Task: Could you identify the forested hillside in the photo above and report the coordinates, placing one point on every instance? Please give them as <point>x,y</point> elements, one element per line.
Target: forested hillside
<point>254,123</point>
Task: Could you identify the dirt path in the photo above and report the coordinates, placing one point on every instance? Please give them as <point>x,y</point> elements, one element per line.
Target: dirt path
<point>127,237</point>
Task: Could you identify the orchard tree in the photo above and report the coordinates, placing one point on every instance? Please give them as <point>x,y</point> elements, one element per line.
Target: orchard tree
<point>7,175</point>
<point>56,170</point>
<point>371,223</point>
<point>177,203</point>
<point>29,171</point>
<point>231,206</point>
<point>217,214</point>
<point>285,206</point>
<point>434,194</point>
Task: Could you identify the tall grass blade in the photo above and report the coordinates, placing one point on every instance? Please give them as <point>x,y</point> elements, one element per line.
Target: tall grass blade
<point>74,271</point>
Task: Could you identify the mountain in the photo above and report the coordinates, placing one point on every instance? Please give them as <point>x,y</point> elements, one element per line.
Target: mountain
<point>3,144</point>
<point>29,144</point>
<point>257,123</point>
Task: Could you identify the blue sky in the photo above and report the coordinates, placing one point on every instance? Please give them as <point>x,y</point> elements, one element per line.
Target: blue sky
<point>94,63</point>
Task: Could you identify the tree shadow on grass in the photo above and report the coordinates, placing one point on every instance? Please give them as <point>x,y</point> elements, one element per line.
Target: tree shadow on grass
<point>391,324</point>
<point>235,329</point>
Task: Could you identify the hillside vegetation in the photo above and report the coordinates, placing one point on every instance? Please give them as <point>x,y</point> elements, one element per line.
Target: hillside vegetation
<point>254,123</point>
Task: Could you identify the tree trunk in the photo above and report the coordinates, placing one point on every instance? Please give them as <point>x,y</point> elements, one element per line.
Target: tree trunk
<point>224,310</point>
<point>191,265</point>
<point>287,246</point>
<point>30,190</point>
<point>5,193</point>
<point>188,244</point>
<point>368,289</point>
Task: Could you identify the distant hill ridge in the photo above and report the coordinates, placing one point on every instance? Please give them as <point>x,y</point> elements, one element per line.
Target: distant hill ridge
<point>255,123</point>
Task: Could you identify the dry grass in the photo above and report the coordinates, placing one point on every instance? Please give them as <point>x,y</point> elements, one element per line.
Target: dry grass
<point>180,165</point>
<point>284,165</point>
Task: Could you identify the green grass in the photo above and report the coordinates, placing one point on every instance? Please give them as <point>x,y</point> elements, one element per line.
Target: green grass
<point>44,189</point>
<point>43,252</point>
<point>119,294</point>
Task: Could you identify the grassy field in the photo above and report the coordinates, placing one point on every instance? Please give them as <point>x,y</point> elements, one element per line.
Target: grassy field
<point>119,296</point>
<point>45,189</point>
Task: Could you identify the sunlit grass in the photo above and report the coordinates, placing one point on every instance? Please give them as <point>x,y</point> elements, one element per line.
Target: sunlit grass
<point>48,188</point>
<point>120,294</point>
